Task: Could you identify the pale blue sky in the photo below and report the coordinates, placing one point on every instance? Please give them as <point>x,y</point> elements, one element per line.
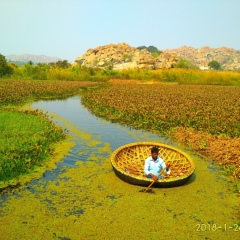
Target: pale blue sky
<point>67,28</point>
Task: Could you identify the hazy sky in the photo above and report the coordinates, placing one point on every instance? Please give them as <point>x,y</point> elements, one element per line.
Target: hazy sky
<point>67,28</point>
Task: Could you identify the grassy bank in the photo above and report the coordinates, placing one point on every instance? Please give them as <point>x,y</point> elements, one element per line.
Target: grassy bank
<point>26,141</point>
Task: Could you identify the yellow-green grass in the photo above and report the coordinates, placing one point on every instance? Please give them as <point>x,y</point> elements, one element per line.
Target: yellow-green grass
<point>182,76</point>
<point>26,141</point>
<point>78,72</point>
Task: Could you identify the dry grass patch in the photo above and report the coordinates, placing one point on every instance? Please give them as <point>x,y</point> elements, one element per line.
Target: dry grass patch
<point>222,150</point>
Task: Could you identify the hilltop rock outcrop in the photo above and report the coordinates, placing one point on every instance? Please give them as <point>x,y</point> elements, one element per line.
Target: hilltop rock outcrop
<point>121,56</point>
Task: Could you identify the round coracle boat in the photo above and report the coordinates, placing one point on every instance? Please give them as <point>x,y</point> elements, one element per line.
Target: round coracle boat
<point>128,164</point>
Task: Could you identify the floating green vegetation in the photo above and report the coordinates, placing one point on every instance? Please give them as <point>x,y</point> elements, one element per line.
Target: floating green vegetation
<point>90,202</point>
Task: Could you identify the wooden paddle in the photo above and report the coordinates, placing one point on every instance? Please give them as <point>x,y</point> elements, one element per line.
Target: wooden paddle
<point>168,166</point>
<point>153,182</point>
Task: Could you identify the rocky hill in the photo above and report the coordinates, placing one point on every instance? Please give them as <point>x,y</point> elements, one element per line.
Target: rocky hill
<point>121,56</point>
<point>228,58</point>
<point>24,58</point>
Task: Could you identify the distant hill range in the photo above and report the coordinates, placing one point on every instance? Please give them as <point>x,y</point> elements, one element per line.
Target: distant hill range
<point>25,58</point>
<point>120,56</point>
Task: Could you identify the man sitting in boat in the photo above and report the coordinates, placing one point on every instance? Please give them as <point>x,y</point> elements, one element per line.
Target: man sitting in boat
<point>154,165</point>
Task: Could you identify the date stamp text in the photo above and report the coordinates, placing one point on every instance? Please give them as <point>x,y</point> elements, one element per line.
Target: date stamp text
<point>203,227</point>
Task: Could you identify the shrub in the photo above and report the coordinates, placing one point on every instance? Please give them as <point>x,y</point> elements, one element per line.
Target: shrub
<point>215,65</point>
<point>186,64</point>
<point>5,69</point>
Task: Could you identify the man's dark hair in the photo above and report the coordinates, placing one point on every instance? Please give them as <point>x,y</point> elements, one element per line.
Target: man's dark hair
<point>154,149</point>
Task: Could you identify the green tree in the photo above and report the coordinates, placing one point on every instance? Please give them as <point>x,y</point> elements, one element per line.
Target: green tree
<point>60,64</point>
<point>153,50</point>
<point>5,69</point>
<point>215,65</point>
<point>36,72</point>
<point>141,47</point>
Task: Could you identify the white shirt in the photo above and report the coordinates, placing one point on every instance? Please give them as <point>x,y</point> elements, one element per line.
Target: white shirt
<point>154,167</point>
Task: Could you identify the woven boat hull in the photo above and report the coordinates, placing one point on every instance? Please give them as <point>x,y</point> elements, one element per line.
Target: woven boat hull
<point>128,164</point>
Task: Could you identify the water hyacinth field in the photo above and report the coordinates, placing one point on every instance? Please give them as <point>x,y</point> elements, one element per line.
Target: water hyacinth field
<point>16,92</point>
<point>211,114</point>
<point>212,109</point>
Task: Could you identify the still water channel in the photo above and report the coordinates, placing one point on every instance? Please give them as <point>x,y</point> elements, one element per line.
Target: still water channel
<point>82,198</point>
